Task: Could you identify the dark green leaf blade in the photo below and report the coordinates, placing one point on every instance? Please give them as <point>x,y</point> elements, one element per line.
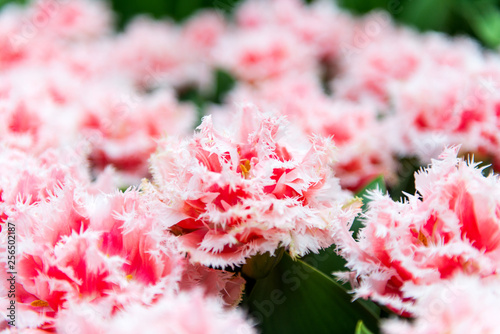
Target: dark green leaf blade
<point>377,183</point>
<point>297,298</point>
<point>484,19</point>
<point>327,260</point>
<point>362,329</point>
<point>224,82</point>
<point>428,14</point>
<point>5,2</point>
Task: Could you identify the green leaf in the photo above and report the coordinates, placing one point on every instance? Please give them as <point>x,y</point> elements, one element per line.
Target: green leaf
<point>362,6</point>
<point>427,14</point>
<point>126,10</point>
<point>194,96</point>
<point>377,183</point>
<point>260,265</point>
<point>362,329</point>
<point>177,10</point>
<point>224,82</point>
<point>406,177</point>
<point>484,19</point>
<point>4,2</point>
<point>297,298</point>
<point>225,6</point>
<point>327,260</point>
<point>186,8</point>
<point>123,189</point>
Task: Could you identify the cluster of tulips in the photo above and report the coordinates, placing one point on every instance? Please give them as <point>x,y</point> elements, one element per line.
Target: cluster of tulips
<point>135,210</point>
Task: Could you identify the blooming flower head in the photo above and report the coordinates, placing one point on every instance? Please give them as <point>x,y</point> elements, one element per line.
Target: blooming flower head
<point>151,54</point>
<point>123,130</point>
<point>43,27</point>
<point>237,194</point>
<point>119,121</point>
<point>456,109</point>
<point>77,246</point>
<point>9,26</point>
<point>261,54</point>
<point>104,249</point>
<point>462,305</point>
<point>320,25</point>
<point>369,63</point>
<point>71,20</point>
<point>359,136</point>
<point>203,31</point>
<point>183,313</point>
<point>371,66</point>
<point>35,118</point>
<point>451,226</point>
<point>27,180</point>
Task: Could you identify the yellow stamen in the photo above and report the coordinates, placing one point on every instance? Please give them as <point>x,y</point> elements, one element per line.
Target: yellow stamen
<point>245,168</point>
<point>39,303</point>
<point>423,239</point>
<point>129,277</point>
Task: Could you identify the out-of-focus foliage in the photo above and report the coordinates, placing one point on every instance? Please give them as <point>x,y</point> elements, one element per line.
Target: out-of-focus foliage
<point>478,18</point>
<point>178,10</point>
<point>325,306</point>
<point>4,2</point>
